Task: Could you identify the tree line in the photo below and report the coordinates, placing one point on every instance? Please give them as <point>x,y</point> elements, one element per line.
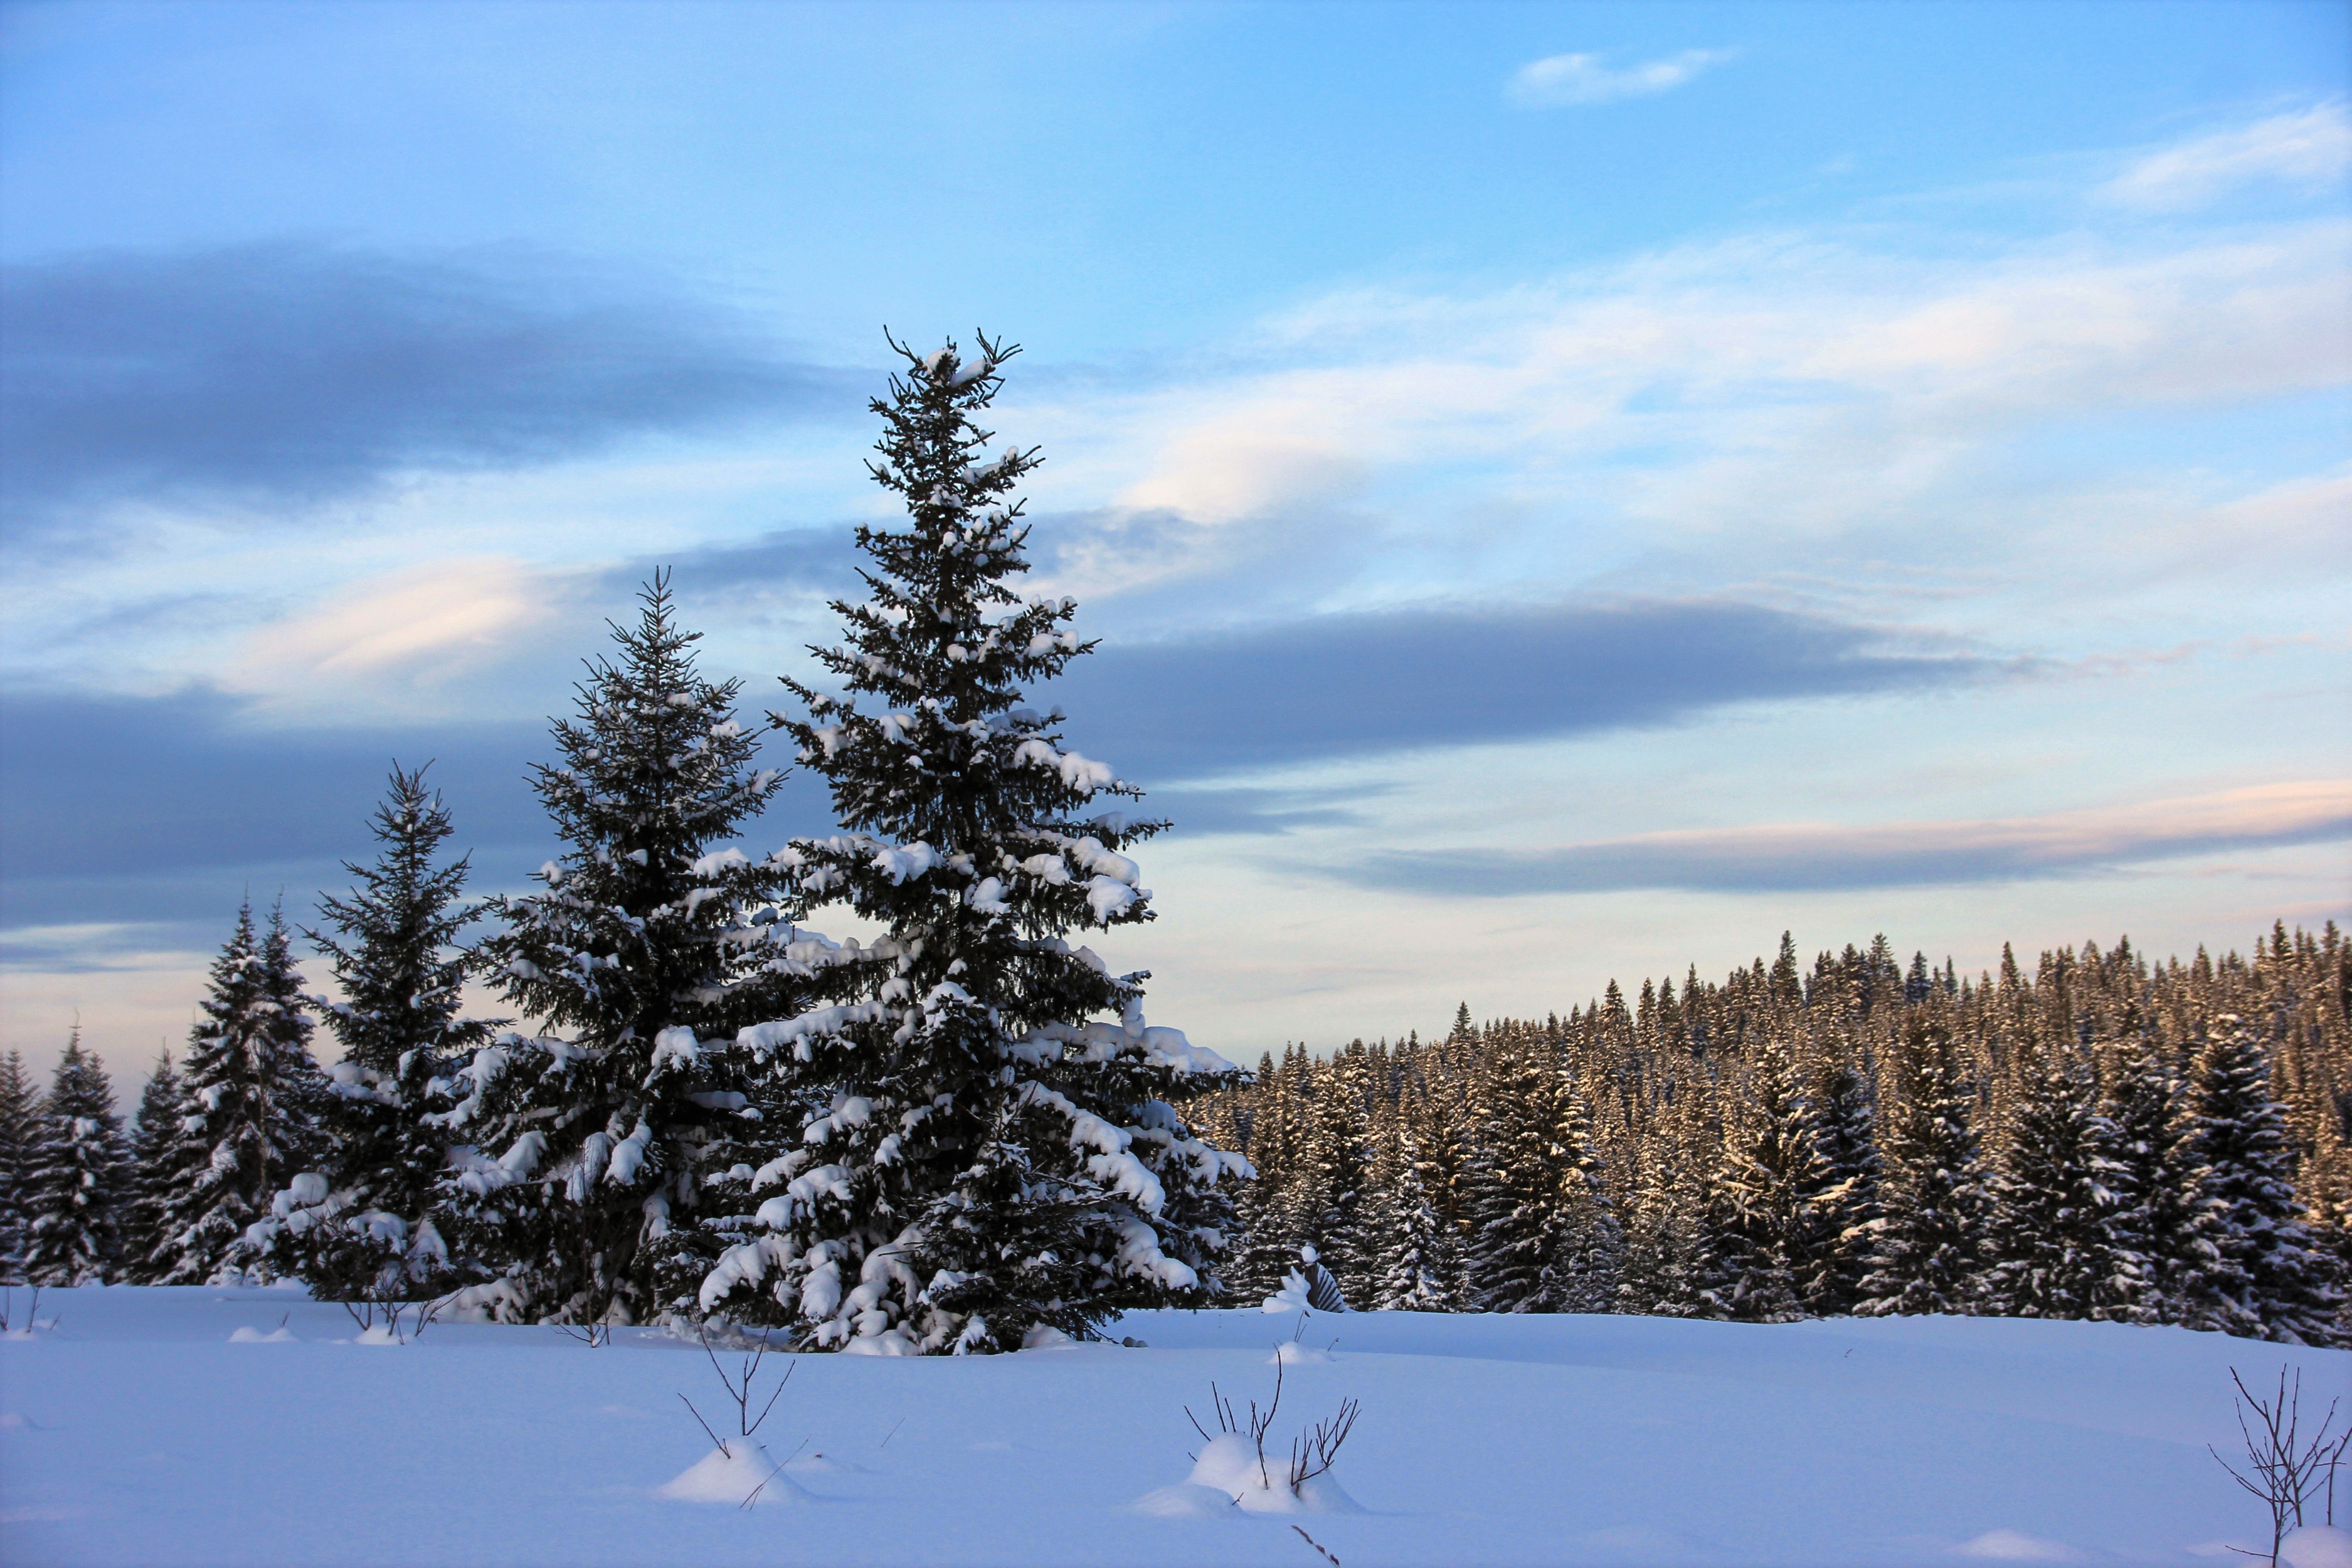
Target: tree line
<point>2104,1138</point>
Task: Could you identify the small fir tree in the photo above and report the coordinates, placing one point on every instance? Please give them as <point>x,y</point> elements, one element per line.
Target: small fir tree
<point>1418,1261</point>
<point>1927,1255</point>
<point>1848,1200</point>
<point>370,1233</point>
<point>2265,1281</point>
<point>19,1131</point>
<point>253,1105</point>
<point>147,1200</point>
<point>583,1154</point>
<point>978,1155</point>
<point>73,1226</point>
<point>1769,1192</point>
<point>2055,1239</point>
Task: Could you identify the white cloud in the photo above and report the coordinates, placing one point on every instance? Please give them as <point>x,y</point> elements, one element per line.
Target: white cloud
<point>416,628</point>
<point>2310,147</point>
<point>1562,79</point>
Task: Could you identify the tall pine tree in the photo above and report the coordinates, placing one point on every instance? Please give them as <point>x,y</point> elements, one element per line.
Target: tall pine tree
<point>980,1153</point>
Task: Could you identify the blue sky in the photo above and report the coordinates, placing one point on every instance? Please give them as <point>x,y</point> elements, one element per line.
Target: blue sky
<point>1565,490</point>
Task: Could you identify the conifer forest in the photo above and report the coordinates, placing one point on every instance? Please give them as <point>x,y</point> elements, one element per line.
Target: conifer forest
<point>963,1136</point>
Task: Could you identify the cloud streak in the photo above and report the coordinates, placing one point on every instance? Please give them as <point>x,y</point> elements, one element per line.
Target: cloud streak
<point>1566,81</point>
<point>1355,685</point>
<point>285,373</point>
<point>2311,147</point>
<point>1783,857</point>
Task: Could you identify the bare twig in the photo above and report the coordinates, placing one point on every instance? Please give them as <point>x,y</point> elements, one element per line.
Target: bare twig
<point>593,1335</point>
<point>704,1425</point>
<point>890,1434</point>
<point>1311,1453</point>
<point>1318,1546</point>
<point>2287,1471</point>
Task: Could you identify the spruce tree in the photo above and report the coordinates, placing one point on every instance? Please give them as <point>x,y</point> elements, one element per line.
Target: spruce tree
<point>1417,1259</point>
<point>583,1154</point>
<point>370,1232</point>
<point>20,1130</point>
<point>147,1200</point>
<point>2266,1280</point>
<point>2162,1216</point>
<point>1768,1214</point>
<point>254,1099</point>
<point>1847,1203</point>
<point>2055,1242</point>
<point>75,1184</point>
<point>981,1155</point>
<point>1927,1255</point>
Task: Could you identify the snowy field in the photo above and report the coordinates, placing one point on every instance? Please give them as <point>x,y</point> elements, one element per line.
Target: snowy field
<point>158,1427</point>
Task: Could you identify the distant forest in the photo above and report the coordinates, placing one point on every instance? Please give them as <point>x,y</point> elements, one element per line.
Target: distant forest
<point>2101,1137</point>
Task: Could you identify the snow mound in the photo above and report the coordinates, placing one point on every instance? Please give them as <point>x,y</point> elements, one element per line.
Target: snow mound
<point>1186,1501</point>
<point>248,1335</point>
<point>2015,1546</point>
<point>2316,1546</point>
<point>379,1334</point>
<point>731,1475</point>
<point>1290,1352</point>
<point>1230,1465</point>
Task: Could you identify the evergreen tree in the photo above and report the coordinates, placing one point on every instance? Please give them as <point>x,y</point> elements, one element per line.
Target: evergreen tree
<point>370,1233</point>
<point>72,1192</point>
<point>591,1147</point>
<point>1669,1265</point>
<point>2162,1215</point>
<point>253,1102</point>
<point>980,1157</point>
<point>19,1131</point>
<point>1927,1253</point>
<point>2266,1281</point>
<point>1848,1200</point>
<point>2053,1237</point>
<point>1770,1222</point>
<point>1417,1259</point>
<point>1327,1204</point>
<point>1261,1209</point>
<point>147,1200</point>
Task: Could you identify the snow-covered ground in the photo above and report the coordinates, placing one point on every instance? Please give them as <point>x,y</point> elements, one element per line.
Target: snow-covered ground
<point>158,1427</point>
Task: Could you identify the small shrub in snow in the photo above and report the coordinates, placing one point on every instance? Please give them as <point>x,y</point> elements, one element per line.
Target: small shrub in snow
<point>2289,1471</point>
<point>1234,1459</point>
<point>741,1461</point>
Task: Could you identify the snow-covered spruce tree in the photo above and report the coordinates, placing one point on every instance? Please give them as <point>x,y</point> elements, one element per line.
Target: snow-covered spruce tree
<point>1267,1244</point>
<point>1417,1259</point>
<point>2054,1231</point>
<point>1669,1265</point>
<point>253,1102</point>
<point>146,1199</point>
<point>359,1225</point>
<point>74,1187</point>
<point>1332,1173</point>
<point>1848,1203</point>
<point>19,1127</point>
<point>1927,1257</point>
<point>582,1154</point>
<point>1546,1236</point>
<point>2266,1281</point>
<point>983,1156</point>
<point>1769,1218</point>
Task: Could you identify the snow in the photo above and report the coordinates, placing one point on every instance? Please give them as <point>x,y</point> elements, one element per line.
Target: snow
<point>2316,1546</point>
<point>143,1428</point>
<point>740,1471</point>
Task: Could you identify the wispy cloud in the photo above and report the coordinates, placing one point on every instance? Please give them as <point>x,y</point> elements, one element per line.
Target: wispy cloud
<point>1559,80</point>
<point>2310,147</point>
<point>1809,857</point>
<point>416,628</point>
